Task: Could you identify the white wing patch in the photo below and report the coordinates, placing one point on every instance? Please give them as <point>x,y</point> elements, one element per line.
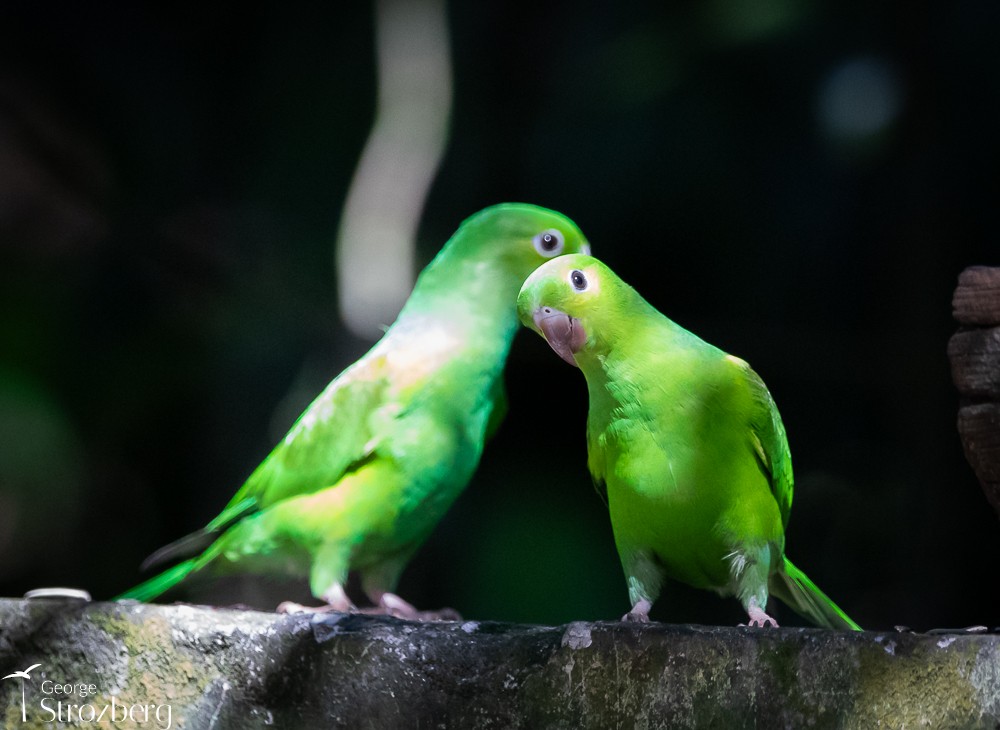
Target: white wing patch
<point>406,357</point>
<point>417,351</point>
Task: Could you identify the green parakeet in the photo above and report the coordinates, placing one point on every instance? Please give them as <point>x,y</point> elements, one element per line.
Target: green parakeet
<point>372,465</point>
<point>686,441</point>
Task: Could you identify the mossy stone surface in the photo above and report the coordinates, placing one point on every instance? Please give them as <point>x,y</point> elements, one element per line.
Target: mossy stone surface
<point>224,668</point>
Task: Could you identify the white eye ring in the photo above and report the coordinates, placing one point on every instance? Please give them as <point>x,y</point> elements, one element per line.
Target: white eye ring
<point>578,280</point>
<point>549,243</point>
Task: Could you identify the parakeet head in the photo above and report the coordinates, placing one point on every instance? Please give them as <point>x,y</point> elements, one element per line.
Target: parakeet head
<point>567,301</point>
<point>472,283</point>
<point>515,238</point>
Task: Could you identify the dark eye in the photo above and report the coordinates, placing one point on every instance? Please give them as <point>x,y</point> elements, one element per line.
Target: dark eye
<point>578,280</point>
<point>549,243</point>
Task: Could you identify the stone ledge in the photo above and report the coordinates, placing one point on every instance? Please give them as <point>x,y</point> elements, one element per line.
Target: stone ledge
<point>226,668</point>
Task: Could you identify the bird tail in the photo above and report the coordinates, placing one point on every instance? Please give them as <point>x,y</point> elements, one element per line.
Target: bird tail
<point>794,588</point>
<point>160,583</point>
<point>197,542</point>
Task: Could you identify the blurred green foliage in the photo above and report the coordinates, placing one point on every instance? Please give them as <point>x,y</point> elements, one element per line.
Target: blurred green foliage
<point>170,185</point>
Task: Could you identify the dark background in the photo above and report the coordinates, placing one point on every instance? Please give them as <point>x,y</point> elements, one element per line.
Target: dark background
<point>171,182</point>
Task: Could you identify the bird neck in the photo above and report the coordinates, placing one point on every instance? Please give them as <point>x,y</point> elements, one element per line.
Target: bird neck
<point>472,299</point>
<point>618,367</point>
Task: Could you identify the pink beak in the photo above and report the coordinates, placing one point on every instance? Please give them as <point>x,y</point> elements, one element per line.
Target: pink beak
<point>564,334</point>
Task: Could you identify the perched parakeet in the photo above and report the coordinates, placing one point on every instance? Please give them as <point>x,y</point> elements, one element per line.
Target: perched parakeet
<point>372,465</point>
<point>686,441</point>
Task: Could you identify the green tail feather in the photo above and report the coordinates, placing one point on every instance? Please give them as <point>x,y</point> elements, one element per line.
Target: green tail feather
<point>793,587</point>
<point>160,583</point>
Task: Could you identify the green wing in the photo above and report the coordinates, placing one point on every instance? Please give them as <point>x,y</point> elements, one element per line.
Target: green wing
<point>335,434</point>
<point>769,440</point>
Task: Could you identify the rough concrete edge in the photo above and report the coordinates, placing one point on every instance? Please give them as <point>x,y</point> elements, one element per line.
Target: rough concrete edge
<point>236,668</point>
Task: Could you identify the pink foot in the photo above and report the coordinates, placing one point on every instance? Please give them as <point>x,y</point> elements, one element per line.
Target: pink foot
<point>396,606</point>
<point>336,600</point>
<point>759,618</point>
<point>389,604</point>
<point>292,607</point>
<point>639,612</point>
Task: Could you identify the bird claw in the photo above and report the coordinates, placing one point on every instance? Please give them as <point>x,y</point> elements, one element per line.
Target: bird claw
<point>290,607</point>
<point>759,619</point>
<point>389,604</point>
<point>639,613</point>
<point>640,618</point>
<point>396,606</point>
<point>336,602</point>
